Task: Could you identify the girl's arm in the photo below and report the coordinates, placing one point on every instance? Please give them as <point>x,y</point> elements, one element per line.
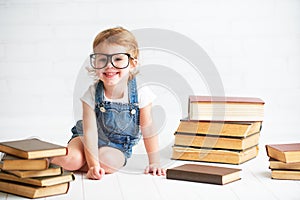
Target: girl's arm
<point>150,141</point>
<point>91,143</point>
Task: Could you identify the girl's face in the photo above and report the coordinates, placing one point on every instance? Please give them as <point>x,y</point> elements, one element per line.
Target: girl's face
<point>110,75</point>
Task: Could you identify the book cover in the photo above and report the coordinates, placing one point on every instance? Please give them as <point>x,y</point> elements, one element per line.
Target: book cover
<point>32,148</point>
<point>234,129</point>
<point>10,162</point>
<point>39,181</point>
<point>204,174</point>
<point>221,142</point>
<point>31,191</point>
<point>52,170</point>
<point>287,153</point>
<point>214,155</point>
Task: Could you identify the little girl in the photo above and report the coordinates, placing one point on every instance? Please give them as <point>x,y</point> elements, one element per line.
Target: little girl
<point>115,112</point>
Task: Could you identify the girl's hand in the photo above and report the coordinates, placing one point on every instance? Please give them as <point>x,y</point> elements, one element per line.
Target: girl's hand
<point>155,169</point>
<point>95,173</point>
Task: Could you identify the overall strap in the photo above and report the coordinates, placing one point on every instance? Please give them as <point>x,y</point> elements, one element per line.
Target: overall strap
<point>132,92</point>
<point>99,93</point>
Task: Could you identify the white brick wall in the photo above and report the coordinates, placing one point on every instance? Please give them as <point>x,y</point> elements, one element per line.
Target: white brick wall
<point>255,46</point>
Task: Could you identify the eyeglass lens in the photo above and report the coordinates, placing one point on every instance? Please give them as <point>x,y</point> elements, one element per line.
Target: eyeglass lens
<point>120,60</point>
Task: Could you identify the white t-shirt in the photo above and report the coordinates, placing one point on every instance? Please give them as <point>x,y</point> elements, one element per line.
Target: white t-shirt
<point>145,96</point>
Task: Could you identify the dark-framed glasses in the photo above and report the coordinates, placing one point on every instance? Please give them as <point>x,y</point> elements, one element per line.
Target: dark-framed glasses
<point>118,60</point>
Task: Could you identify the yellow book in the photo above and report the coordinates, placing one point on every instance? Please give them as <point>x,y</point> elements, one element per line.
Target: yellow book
<point>10,162</point>
<point>233,129</point>
<point>53,170</point>
<point>32,148</point>
<point>31,191</point>
<point>276,164</point>
<point>206,141</point>
<point>214,155</point>
<point>39,181</point>
<point>285,174</point>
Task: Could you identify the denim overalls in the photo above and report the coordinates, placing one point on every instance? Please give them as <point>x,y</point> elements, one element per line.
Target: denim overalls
<point>118,123</point>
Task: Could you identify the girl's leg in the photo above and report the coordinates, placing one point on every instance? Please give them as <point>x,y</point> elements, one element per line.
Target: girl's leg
<point>111,159</point>
<point>75,158</point>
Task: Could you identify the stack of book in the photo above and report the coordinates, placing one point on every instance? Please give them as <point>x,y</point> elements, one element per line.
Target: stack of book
<point>284,161</point>
<point>26,170</point>
<point>221,130</point>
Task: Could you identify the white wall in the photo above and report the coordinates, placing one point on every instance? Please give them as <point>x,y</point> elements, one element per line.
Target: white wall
<point>255,45</point>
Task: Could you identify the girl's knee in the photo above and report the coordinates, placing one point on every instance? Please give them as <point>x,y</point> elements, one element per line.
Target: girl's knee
<point>111,159</point>
<point>70,162</point>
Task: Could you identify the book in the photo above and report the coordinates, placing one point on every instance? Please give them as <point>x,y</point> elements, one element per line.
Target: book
<point>32,148</point>
<point>231,143</point>
<point>204,174</point>
<point>10,162</point>
<point>53,170</point>
<point>234,129</point>
<point>285,174</point>
<point>39,181</point>
<point>31,191</point>
<point>276,164</point>
<point>214,155</point>
<point>287,153</point>
<point>215,108</point>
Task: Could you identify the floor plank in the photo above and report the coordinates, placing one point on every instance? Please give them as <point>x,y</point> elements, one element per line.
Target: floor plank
<point>3,196</point>
<point>131,184</point>
<point>75,190</point>
<point>173,189</point>
<point>106,188</point>
<point>137,186</point>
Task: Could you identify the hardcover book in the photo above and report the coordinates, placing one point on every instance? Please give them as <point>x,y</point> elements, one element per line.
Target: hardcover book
<point>53,170</point>
<point>10,162</point>
<point>206,141</point>
<point>39,181</point>
<point>32,148</point>
<point>234,129</point>
<point>31,191</point>
<point>287,153</point>
<point>285,174</point>
<point>204,174</point>
<point>214,155</point>
<point>276,164</point>
<point>213,108</point>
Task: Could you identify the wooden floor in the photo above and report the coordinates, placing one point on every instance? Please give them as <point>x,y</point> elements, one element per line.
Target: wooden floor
<point>131,184</point>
